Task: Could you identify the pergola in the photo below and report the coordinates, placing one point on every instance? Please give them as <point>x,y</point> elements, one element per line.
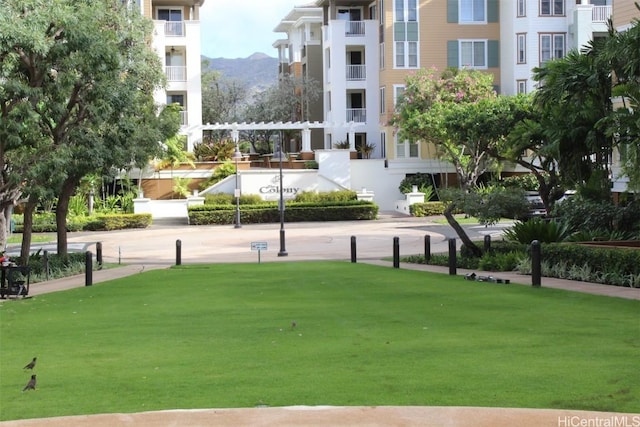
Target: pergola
<point>303,127</point>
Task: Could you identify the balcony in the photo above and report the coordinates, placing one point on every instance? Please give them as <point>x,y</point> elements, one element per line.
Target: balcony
<point>601,14</point>
<point>354,29</point>
<point>358,115</point>
<point>174,29</point>
<point>356,72</point>
<point>176,73</point>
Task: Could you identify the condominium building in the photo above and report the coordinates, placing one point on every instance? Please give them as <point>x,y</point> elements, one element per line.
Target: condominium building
<point>369,47</point>
<point>176,39</point>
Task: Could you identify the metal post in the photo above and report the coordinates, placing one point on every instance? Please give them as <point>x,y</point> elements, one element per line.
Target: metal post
<point>396,252</point>
<point>45,264</point>
<point>453,263</point>
<point>536,268</point>
<point>237,155</point>
<point>99,255</point>
<point>487,243</point>
<point>178,252</point>
<point>353,249</point>
<point>88,268</point>
<point>282,251</point>
<point>427,247</point>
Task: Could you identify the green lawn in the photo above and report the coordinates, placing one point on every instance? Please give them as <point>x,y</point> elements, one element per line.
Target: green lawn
<point>35,238</point>
<point>222,336</point>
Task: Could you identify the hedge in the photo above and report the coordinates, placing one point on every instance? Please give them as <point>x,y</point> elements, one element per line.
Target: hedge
<point>427,209</point>
<point>46,222</point>
<point>604,260</point>
<point>294,212</point>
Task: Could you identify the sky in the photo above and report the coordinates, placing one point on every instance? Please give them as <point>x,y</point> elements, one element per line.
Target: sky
<point>239,28</point>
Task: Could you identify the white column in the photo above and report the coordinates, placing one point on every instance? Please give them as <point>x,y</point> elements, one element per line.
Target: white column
<point>306,140</point>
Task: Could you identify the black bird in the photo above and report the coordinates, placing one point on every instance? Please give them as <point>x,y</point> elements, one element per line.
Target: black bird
<point>31,385</point>
<point>31,364</point>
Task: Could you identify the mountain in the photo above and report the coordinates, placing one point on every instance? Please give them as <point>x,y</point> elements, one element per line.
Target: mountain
<point>258,71</point>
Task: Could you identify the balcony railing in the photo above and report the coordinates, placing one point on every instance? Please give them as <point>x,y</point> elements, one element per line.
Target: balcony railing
<point>601,13</point>
<point>358,115</point>
<point>355,29</point>
<point>356,72</point>
<point>183,118</point>
<point>176,73</point>
<point>174,28</point>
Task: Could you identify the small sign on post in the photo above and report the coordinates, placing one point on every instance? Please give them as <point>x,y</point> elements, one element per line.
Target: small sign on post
<point>259,246</point>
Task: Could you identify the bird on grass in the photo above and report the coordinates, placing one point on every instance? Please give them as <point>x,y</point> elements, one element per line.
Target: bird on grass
<point>31,364</point>
<point>31,385</point>
<point>293,325</point>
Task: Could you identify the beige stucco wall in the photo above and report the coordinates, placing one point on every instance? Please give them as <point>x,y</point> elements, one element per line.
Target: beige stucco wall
<point>624,11</point>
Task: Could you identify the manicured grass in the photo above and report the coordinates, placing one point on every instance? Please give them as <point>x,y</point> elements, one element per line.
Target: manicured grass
<point>35,238</point>
<point>222,336</point>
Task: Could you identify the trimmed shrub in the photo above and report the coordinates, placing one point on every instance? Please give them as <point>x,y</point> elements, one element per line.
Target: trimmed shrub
<point>427,209</point>
<point>118,222</point>
<point>326,196</point>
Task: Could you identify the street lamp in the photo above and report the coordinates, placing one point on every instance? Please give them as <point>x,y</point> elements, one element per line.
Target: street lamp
<point>280,155</point>
<point>237,155</point>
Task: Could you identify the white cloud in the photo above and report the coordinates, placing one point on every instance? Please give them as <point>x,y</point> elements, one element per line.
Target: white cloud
<point>240,28</point>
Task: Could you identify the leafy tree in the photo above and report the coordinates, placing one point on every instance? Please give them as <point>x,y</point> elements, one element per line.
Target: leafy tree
<point>459,112</point>
<point>574,97</point>
<point>223,99</point>
<point>83,74</point>
<point>285,101</point>
<point>622,52</point>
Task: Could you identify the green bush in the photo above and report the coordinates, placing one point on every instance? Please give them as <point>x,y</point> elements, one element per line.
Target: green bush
<point>229,199</point>
<point>500,261</point>
<point>421,180</point>
<point>536,229</point>
<point>268,212</point>
<point>427,209</point>
<point>326,196</point>
<point>118,222</point>
<point>582,214</point>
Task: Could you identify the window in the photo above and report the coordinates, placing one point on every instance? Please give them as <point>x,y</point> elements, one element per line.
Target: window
<point>383,100</point>
<point>473,53</point>
<point>521,86</point>
<point>382,56</point>
<point>406,34</point>
<point>383,145</point>
<point>398,90</point>
<point>473,11</point>
<point>400,54</point>
<point>522,48</point>
<point>522,8</point>
<point>551,7</point>
<point>551,47</point>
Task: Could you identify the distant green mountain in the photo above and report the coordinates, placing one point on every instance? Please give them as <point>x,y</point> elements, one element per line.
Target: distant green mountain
<point>257,71</point>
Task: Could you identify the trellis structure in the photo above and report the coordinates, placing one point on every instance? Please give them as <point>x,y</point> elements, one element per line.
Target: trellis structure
<point>303,127</point>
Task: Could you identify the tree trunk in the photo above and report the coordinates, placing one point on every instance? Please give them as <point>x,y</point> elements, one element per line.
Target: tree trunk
<point>68,187</point>
<point>25,249</point>
<point>448,214</point>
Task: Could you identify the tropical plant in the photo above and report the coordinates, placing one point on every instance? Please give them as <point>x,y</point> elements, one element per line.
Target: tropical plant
<point>220,172</point>
<point>366,150</point>
<point>214,150</point>
<point>536,229</point>
<point>181,186</point>
<point>342,145</point>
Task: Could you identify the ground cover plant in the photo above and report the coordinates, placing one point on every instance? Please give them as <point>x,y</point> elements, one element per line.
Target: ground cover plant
<point>213,336</point>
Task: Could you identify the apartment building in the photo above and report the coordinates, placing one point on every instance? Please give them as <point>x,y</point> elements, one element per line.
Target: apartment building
<point>369,47</point>
<point>176,39</point>
<point>535,31</point>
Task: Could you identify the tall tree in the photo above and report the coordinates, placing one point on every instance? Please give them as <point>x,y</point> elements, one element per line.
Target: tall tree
<point>91,73</point>
<point>575,97</point>
<point>459,112</point>
<point>223,99</point>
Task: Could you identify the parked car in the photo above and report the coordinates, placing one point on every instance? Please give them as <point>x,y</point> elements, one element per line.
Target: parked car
<point>537,208</point>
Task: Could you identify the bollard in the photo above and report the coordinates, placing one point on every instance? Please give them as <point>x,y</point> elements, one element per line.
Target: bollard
<point>487,243</point>
<point>353,249</point>
<point>178,252</point>
<point>396,252</point>
<point>452,257</point>
<point>45,264</point>
<point>536,268</point>
<point>99,255</point>
<point>427,248</point>
<point>88,268</point>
